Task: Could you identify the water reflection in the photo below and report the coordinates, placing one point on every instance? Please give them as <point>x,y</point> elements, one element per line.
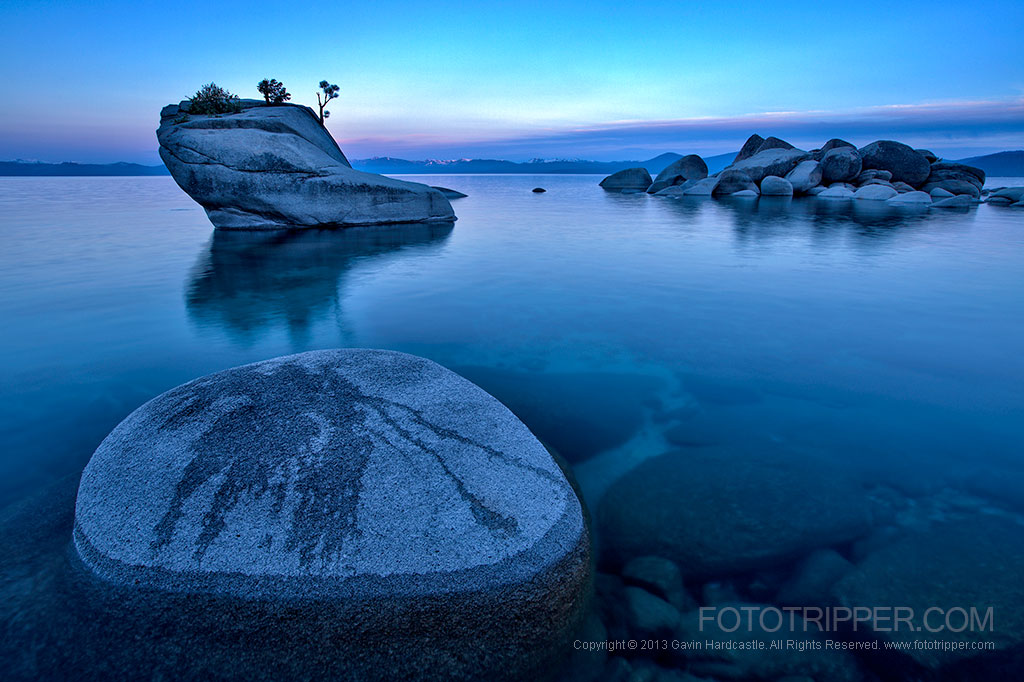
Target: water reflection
<point>247,283</point>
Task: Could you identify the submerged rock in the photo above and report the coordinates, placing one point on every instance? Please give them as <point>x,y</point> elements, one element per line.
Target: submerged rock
<point>578,414</point>
<point>371,499</point>
<point>953,566</point>
<point>751,653</point>
<point>274,167</point>
<point>630,178</point>
<point>719,513</point>
<point>905,164</point>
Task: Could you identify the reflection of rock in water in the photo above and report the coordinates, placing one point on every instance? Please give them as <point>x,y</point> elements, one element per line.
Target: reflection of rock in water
<point>249,282</point>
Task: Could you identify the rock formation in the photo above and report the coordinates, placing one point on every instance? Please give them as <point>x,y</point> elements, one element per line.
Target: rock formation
<point>273,167</point>
<point>370,499</point>
<point>883,171</point>
<point>628,179</point>
<point>689,167</point>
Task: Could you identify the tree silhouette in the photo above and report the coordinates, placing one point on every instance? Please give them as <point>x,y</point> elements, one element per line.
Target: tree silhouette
<point>273,91</point>
<point>329,92</point>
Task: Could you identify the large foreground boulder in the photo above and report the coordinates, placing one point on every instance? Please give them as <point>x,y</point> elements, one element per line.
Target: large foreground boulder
<point>630,178</point>
<point>274,167</point>
<point>905,164</point>
<point>717,513</point>
<point>372,499</point>
<point>689,167</point>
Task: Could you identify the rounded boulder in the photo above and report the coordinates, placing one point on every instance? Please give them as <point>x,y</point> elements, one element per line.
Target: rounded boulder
<point>630,178</point>
<point>840,164</point>
<point>361,501</point>
<point>905,164</point>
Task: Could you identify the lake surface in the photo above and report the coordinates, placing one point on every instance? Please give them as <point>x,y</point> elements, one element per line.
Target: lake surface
<point>886,344</point>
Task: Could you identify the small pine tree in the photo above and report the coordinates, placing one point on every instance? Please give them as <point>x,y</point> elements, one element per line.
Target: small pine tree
<point>213,99</point>
<point>273,91</point>
<point>329,92</point>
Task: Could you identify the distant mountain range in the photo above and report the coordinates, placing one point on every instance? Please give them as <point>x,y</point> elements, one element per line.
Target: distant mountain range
<point>390,166</point>
<point>999,164</point>
<point>31,168</point>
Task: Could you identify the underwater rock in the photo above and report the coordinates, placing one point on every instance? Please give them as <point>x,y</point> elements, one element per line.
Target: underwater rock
<point>813,579</point>
<point>718,513</point>
<point>738,661</point>
<point>660,577</point>
<point>371,499</point>
<point>277,167</point>
<point>972,562</point>
<point>649,616</point>
<point>579,414</point>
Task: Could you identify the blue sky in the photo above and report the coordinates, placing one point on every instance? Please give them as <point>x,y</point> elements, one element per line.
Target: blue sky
<point>603,80</point>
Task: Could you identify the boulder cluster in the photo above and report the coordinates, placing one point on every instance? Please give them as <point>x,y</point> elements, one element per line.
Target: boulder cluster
<point>883,171</point>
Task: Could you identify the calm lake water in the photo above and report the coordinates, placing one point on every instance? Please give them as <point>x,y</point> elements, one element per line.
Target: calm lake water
<point>886,342</point>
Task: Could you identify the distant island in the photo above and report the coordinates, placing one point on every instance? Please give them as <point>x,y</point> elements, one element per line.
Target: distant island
<point>1000,164</point>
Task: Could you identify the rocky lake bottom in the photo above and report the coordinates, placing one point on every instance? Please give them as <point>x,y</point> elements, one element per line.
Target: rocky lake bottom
<point>769,406</point>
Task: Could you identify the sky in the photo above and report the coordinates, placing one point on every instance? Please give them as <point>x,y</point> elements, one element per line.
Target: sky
<point>518,80</point>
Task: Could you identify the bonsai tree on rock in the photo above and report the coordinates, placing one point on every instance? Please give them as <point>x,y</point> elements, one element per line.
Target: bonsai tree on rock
<point>213,99</point>
<point>273,91</point>
<point>329,92</point>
